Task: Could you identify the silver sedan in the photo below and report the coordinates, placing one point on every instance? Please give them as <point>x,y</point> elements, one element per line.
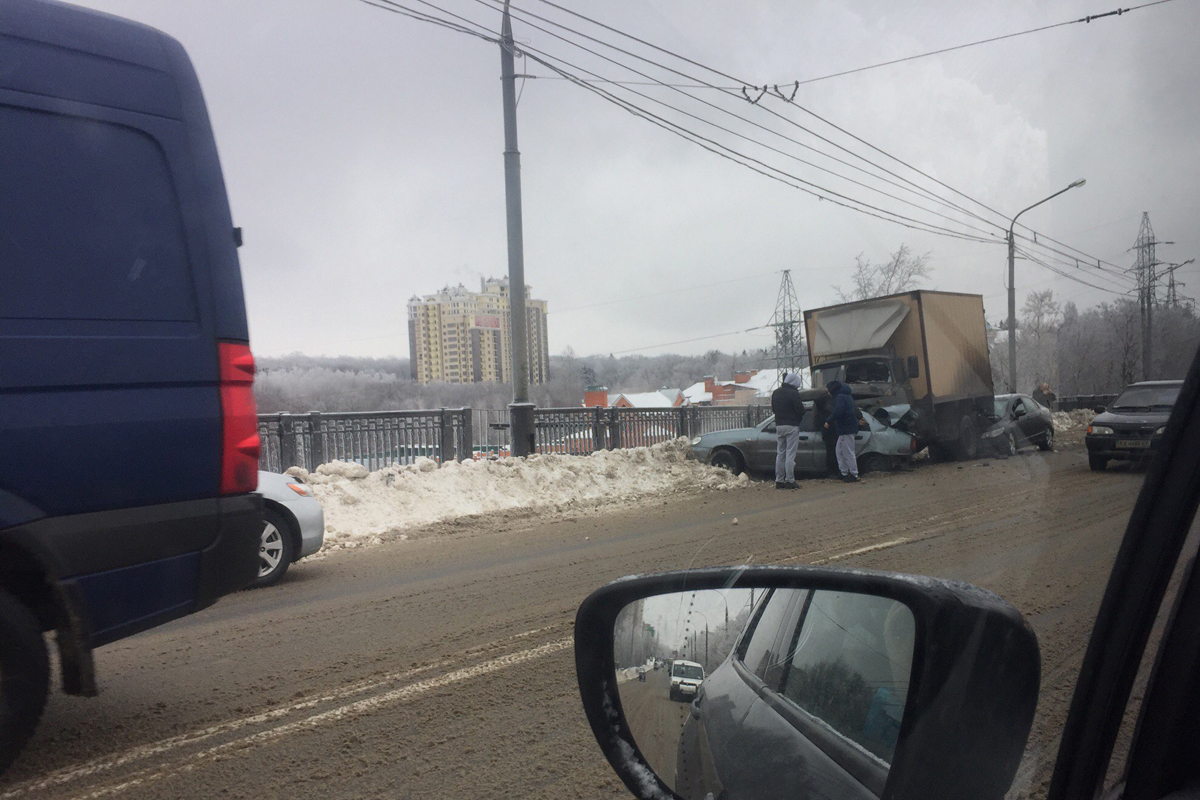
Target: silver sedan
<point>293,525</point>
<point>878,447</point>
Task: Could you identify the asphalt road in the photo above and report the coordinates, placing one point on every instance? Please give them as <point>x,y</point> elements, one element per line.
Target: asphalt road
<point>442,666</point>
<point>655,720</point>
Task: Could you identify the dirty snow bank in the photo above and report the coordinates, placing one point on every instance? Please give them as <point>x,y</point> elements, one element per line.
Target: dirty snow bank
<point>361,506</point>
<point>1070,420</point>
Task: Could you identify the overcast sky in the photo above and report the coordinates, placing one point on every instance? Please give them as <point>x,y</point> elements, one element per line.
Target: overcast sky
<point>362,152</point>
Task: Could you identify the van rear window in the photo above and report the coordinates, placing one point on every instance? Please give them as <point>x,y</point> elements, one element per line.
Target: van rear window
<point>90,224</point>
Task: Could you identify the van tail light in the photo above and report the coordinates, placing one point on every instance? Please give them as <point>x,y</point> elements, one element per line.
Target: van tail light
<point>239,419</point>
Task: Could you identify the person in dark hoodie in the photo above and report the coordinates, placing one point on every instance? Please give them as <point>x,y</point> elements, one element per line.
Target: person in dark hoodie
<point>822,408</point>
<point>843,420</point>
<point>789,410</point>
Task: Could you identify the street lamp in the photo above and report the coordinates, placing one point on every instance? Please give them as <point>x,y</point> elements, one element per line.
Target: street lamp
<point>701,613</point>
<point>1012,290</point>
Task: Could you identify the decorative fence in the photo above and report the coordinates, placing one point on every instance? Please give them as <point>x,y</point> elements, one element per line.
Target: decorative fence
<point>380,439</point>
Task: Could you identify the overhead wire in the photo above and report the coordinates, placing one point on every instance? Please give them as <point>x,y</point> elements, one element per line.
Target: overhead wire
<point>823,119</point>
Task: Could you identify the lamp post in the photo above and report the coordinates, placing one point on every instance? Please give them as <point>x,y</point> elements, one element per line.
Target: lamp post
<point>1012,290</point>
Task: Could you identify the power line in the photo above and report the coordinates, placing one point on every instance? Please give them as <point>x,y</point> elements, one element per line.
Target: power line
<point>1066,274</point>
<point>746,84</point>
<point>941,51</point>
<point>662,294</point>
<point>396,8</point>
<point>685,341</point>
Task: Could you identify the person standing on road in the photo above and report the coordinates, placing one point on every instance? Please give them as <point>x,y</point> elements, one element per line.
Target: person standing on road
<point>844,422</point>
<point>822,408</point>
<point>1044,397</point>
<point>789,410</point>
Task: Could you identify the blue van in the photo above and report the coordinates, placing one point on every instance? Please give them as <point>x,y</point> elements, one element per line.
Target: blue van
<point>128,439</point>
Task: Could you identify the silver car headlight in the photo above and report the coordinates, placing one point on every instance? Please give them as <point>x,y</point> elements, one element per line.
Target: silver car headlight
<point>1101,429</point>
<point>696,441</point>
<point>1161,431</point>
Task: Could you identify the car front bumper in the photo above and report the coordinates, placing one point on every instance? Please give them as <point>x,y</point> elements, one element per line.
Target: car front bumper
<point>1126,448</point>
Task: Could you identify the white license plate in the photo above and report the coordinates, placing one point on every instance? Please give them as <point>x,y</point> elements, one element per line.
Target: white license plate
<point>1132,444</point>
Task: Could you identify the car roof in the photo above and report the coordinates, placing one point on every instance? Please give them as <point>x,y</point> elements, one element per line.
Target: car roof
<point>1155,383</point>
<point>679,661</point>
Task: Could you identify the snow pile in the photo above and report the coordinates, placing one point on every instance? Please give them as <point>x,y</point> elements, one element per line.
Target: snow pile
<point>1070,420</point>
<point>361,506</point>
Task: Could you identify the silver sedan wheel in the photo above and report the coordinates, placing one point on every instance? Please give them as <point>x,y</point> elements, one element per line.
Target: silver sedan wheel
<point>270,550</point>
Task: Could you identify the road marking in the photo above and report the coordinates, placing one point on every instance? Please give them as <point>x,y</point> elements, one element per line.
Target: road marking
<point>861,550</point>
<point>104,764</point>
<point>356,708</point>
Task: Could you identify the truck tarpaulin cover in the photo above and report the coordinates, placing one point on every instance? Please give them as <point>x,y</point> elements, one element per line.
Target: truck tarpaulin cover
<point>861,327</point>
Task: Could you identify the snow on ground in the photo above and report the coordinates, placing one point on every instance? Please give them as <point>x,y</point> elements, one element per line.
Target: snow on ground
<point>1070,420</point>
<point>361,507</point>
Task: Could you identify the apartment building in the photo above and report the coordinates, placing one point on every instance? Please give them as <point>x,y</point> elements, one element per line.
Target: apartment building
<point>460,336</point>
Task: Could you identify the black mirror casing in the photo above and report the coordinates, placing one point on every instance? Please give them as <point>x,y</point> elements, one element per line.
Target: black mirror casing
<point>914,367</point>
<point>974,688</point>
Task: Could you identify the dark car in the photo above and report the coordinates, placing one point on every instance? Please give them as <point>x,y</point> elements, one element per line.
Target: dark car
<point>128,438</point>
<point>1020,422</point>
<point>1131,428</point>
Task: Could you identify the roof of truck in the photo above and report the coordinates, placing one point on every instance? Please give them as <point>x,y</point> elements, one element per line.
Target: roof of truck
<point>910,293</point>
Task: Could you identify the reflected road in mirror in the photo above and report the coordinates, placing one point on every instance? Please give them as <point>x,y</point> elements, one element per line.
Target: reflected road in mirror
<point>766,693</point>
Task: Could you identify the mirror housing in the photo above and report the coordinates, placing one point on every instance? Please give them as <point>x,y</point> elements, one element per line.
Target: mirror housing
<point>914,367</point>
<point>970,706</point>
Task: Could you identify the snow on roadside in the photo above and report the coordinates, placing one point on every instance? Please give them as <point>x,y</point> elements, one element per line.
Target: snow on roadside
<point>1070,420</point>
<point>361,507</point>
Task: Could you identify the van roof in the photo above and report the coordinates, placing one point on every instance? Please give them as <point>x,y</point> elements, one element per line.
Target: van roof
<point>84,55</point>
<point>679,661</point>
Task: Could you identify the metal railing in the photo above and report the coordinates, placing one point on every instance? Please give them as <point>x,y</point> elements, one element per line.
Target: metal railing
<point>380,439</point>
<point>1092,401</point>
<point>375,439</point>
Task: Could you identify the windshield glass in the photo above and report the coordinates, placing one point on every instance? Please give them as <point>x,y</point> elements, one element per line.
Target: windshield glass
<point>853,372</point>
<point>1001,407</point>
<point>1146,398</point>
<point>476,390</point>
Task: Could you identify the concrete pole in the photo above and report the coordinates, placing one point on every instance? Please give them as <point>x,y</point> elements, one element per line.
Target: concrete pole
<point>1012,288</point>
<point>1012,314</point>
<point>521,410</point>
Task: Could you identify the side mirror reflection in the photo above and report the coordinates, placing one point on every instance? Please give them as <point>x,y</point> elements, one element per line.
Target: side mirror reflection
<point>820,671</point>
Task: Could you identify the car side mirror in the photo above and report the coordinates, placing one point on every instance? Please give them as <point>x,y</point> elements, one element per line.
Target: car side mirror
<point>914,367</point>
<point>1020,412</point>
<point>850,681</point>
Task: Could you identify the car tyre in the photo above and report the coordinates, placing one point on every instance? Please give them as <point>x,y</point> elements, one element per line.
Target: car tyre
<point>728,460</point>
<point>1047,443</point>
<point>872,462</point>
<point>24,677</point>
<point>1097,463</point>
<point>276,549</point>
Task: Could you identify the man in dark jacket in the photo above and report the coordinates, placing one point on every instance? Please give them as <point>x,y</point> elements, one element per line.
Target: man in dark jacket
<point>844,422</point>
<point>789,410</point>
<point>822,408</point>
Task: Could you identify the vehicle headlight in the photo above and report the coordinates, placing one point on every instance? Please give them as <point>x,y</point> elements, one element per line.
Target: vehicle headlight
<point>993,434</point>
<point>1102,429</point>
<point>696,441</point>
<point>1161,431</point>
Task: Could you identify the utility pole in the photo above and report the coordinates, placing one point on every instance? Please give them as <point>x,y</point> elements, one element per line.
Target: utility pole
<point>789,353</point>
<point>520,410</point>
<point>1012,289</point>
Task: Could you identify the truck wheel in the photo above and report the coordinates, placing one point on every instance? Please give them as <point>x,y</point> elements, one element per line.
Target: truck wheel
<point>940,453</point>
<point>1047,442</point>
<point>966,447</point>
<point>24,677</point>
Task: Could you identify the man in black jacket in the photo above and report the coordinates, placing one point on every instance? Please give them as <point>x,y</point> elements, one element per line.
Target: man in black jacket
<point>789,410</point>
<point>822,408</point>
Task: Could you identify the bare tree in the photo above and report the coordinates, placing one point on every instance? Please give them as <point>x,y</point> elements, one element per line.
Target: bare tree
<point>1037,340</point>
<point>904,270</point>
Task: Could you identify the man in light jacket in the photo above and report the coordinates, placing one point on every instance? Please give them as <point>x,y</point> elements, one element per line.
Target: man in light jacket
<point>789,410</point>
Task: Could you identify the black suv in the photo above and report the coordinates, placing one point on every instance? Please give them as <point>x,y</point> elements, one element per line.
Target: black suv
<point>1132,427</point>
